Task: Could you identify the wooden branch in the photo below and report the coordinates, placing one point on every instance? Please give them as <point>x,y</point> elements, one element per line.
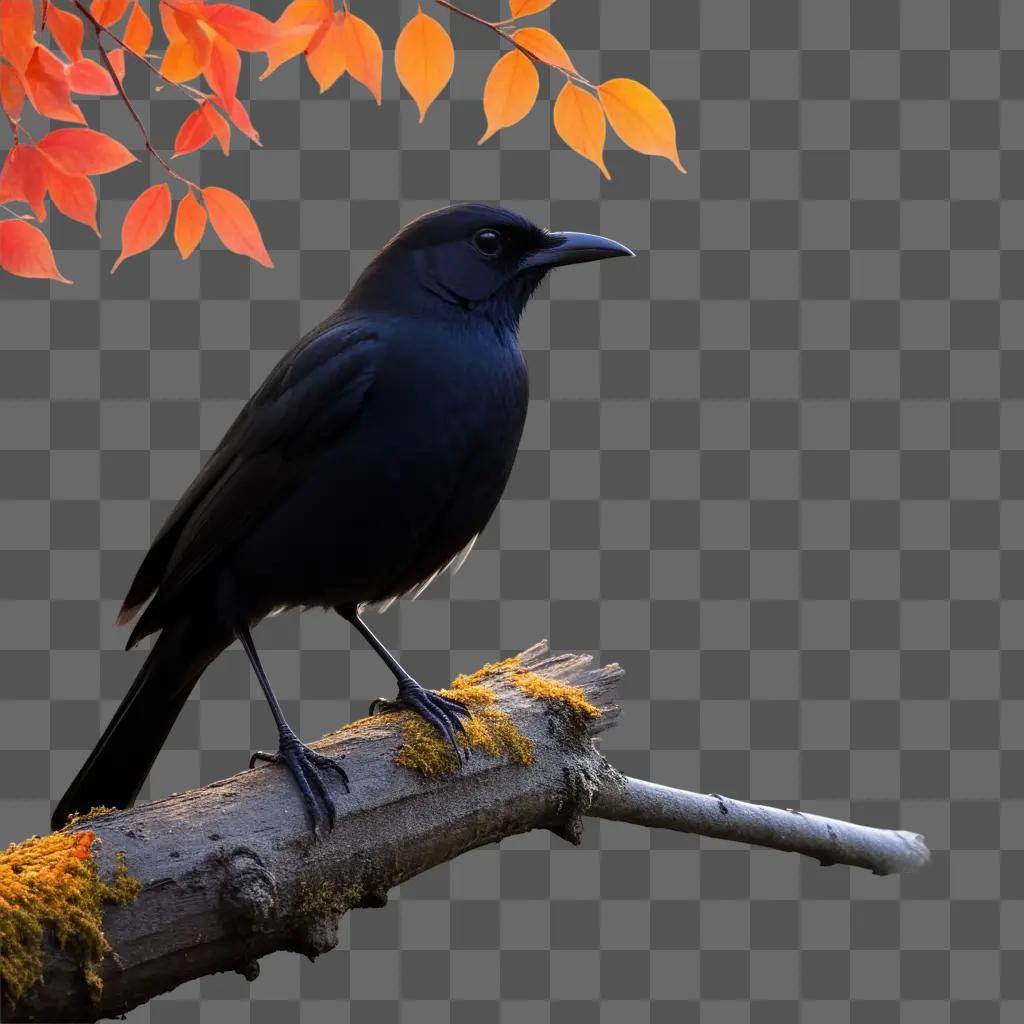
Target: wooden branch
<point>231,872</point>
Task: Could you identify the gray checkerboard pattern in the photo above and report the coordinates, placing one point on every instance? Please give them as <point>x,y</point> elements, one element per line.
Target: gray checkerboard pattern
<point>775,466</point>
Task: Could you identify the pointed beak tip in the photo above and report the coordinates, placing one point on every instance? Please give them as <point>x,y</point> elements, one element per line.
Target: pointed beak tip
<point>568,247</point>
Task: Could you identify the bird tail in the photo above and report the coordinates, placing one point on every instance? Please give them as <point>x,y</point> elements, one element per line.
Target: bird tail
<point>114,772</point>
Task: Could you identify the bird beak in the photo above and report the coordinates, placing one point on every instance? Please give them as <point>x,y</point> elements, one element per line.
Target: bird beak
<point>565,247</point>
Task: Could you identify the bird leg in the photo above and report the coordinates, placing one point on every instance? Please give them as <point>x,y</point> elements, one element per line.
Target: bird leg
<point>441,712</point>
<point>303,762</point>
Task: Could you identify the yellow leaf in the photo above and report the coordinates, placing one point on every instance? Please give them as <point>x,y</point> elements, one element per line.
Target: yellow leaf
<point>364,56</point>
<point>579,120</point>
<point>510,92</point>
<point>640,119</point>
<point>424,59</point>
<point>326,55</point>
<point>523,8</point>
<point>544,45</point>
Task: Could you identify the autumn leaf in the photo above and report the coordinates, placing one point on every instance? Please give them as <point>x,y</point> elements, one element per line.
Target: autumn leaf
<point>116,58</point>
<point>424,59</point>
<point>145,221</point>
<point>640,119</point>
<point>239,117</point>
<point>25,251</point>
<point>23,179</point>
<point>364,56</point>
<point>295,29</point>
<point>326,54</point>
<point>189,224</point>
<point>84,151</point>
<point>138,33</point>
<point>242,28</point>
<point>17,38</point>
<point>223,68</point>
<point>195,132</point>
<point>180,63</point>
<point>87,77</point>
<point>12,92</point>
<point>48,88</point>
<point>107,12</point>
<point>72,194</point>
<point>524,8</point>
<point>190,46</point>
<point>235,225</point>
<point>220,128</point>
<point>544,45</point>
<point>509,92</point>
<point>67,30</point>
<point>579,120</point>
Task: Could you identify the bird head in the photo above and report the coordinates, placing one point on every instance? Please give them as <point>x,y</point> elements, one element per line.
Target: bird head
<point>476,257</point>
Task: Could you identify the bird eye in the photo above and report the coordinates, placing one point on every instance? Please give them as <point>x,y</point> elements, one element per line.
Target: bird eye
<point>488,242</point>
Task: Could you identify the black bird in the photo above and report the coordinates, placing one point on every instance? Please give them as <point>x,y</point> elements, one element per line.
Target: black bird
<point>366,463</point>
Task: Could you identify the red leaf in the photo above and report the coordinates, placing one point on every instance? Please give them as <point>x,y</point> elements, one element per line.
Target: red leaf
<point>25,251</point>
<point>223,68</point>
<point>138,33</point>
<point>194,133</point>
<point>86,76</point>
<point>239,117</point>
<point>17,38</point>
<point>235,225</point>
<point>84,151</point>
<point>242,28</point>
<point>72,194</point>
<point>116,58</point>
<point>48,88</point>
<point>106,12</point>
<point>23,179</point>
<point>67,30</point>
<point>12,92</point>
<point>189,224</point>
<point>221,129</point>
<point>145,221</point>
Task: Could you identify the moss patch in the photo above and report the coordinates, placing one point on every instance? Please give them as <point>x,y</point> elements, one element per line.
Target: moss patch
<point>537,686</point>
<point>79,817</point>
<point>54,880</point>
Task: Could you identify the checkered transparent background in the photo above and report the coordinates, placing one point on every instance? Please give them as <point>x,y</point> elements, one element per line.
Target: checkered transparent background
<point>774,466</point>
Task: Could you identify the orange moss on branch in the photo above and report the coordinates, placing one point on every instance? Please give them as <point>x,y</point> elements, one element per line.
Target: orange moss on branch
<point>53,881</point>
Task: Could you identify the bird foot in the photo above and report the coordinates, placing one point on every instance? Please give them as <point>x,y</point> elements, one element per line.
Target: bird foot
<point>305,765</point>
<point>441,712</point>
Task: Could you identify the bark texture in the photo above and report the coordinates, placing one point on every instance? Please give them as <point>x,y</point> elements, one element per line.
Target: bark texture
<point>231,872</point>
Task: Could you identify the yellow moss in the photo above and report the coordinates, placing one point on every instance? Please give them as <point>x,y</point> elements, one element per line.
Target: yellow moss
<point>547,689</point>
<point>78,818</point>
<point>53,880</point>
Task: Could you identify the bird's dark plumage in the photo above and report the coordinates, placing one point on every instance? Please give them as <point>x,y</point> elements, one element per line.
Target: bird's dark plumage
<point>370,458</point>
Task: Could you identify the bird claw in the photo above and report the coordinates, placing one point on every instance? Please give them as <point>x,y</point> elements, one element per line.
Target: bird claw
<point>440,711</point>
<point>305,765</point>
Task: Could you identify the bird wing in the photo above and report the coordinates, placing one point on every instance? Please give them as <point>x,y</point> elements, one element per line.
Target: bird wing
<point>308,399</point>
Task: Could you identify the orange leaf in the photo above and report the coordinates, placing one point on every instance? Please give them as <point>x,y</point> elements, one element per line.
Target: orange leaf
<point>72,194</point>
<point>17,38</point>
<point>67,30</point>
<point>523,8</point>
<point>364,56</point>
<point>179,63</point>
<point>84,151</point>
<point>194,133</point>
<point>239,117</point>
<point>295,29</point>
<point>424,59</point>
<point>116,58</point>
<point>510,92</point>
<point>145,221</point>
<point>189,224</point>
<point>544,45</point>
<point>48,88</point>
<point>242,28</point>
<point>326,54</point>
<point>234,224</point>
<point>190,45</point>
<point>218,126</point>
<point>25,251</point>
<point>106,12</point>
<point>640,119</point>
<point>223,68</point>
<point>12,92</point>
<point>23,179</point>
<point>579,120</point>
<point>86,76</point>
<point>138,33</point>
